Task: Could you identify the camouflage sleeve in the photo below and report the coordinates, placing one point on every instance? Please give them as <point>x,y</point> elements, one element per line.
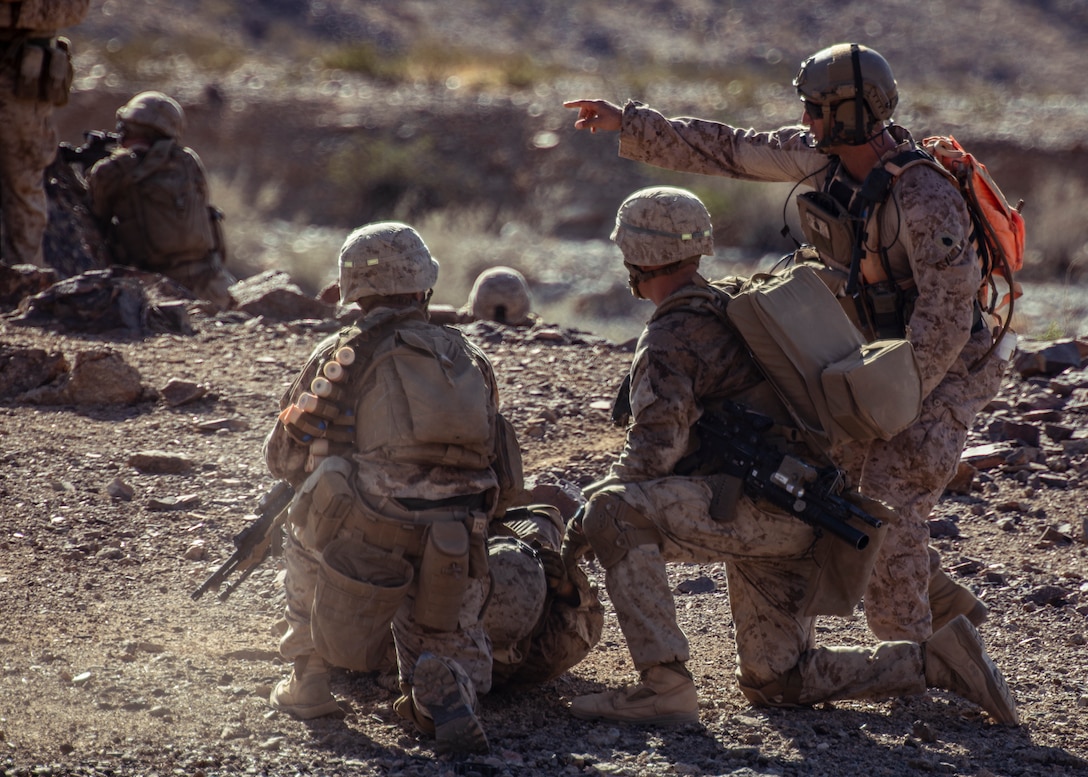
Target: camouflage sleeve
<point>285,457</point>
<point>945,268</point>
<point>712,148</point>
<point>663,406</point>
<point>199,173</point>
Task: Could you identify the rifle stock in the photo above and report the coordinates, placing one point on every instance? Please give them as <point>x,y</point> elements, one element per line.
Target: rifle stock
<point>786,482</point>
<point>253,544</point>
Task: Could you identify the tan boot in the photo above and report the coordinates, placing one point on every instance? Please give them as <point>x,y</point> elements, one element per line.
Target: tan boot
<point>947,599</point>
<point>955,660</point>
<point>443,693</point>
<point>305,694</point>
<point>663,697</point>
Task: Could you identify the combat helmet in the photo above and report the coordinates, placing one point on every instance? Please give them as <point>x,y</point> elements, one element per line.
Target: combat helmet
<point>500,294</point>
<point>850,88</point>
<point>518,591</point>
<point>662,228</point>
<point>383,259</point>
<point>153,110</point>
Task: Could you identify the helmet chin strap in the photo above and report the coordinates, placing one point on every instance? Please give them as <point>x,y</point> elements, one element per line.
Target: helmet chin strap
<point>636,274</point>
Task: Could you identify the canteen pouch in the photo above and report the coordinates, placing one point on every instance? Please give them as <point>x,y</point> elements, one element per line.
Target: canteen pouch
<point>58,73</point>
<point>443,576</point>
<point>875,392</point>
<point>358,592</point>
<point>324,500</point>
<point>841,571</point>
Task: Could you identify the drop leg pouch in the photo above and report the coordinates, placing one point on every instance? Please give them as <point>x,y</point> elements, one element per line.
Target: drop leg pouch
<point>358,592</point>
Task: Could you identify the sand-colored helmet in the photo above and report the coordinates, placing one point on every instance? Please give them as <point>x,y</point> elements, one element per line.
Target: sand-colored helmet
<point>518,591</point>
<point>153,110</point>
<point>383,259</point>
<point>830,83</point>
<point>500,294</point>
<point>661,225</point>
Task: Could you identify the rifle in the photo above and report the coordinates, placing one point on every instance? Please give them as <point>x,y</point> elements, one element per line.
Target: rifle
<point>253,544</point>
<point>97,144</point>
<point>735,438</point>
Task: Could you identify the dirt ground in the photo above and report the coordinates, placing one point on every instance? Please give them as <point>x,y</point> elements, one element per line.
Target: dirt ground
<point>108,667</point>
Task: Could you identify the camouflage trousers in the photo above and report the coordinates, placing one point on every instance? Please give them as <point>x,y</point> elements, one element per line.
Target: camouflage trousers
<point>910,472</point>
<point>769,566</point>
<point>468,645</point>
<point>28,143</point>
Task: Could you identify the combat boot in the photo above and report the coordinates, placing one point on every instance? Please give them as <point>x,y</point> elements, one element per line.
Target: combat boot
<point>445,696</point>
<point>955,660</point>
<point>305,694</point>
<point>947,599</point>
<point>665,696</point>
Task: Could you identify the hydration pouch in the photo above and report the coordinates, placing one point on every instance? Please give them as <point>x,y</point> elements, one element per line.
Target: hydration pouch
<point>827,225</point>
<point>359,590</point>
<point>324,500</point>
<point>443,576</point>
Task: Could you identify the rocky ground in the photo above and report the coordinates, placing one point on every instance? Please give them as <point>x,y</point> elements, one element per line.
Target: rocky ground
<point>112,513</point>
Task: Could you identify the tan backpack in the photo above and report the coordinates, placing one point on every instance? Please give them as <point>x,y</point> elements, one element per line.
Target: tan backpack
<point>837,387</point>
<point>165,219</point>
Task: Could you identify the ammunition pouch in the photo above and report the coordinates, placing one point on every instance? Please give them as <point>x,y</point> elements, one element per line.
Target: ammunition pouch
<point>887,309</point>
<point>324,501</point>
<point>43,69</point>
<point>613,527</point>
<point>876,392</point>
<point>842,571</point>
<point>359,590</point>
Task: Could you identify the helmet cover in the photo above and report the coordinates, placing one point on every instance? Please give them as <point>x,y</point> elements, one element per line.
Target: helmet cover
<point>660,225</point>
<point>383,259</point>
<point>518,591</point>
<point>154,110</point>
<point>501,294</point>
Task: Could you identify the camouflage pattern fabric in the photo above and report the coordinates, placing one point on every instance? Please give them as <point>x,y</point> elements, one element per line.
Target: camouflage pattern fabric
<point>682,359</point>
<point>383,477</point>
<point>28,141</point>
<point>923,227</point>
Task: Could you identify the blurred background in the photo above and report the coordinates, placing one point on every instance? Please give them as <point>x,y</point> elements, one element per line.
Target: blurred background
<point>316,116</point>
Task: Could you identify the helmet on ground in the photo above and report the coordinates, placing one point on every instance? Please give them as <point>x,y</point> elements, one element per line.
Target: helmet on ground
<point>835,82</point>
<point>518,591</point>
<point>661,225</point>
<point>383,259</point>
<point>500,294</point>
<point>155,111</point>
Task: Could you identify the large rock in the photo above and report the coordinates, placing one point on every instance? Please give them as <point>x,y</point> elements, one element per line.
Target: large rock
<point>272,294</point>
<point>23,369</point>
<point>98,377</point>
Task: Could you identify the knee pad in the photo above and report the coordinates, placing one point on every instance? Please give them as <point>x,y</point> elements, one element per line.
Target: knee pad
<point>613,527</point>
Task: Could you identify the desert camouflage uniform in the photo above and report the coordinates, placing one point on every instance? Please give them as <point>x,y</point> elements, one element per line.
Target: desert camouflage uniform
<point>927,226</point>
<point>194,261</point>
<point>28,140</point>
<point>384,478</point>
<point>683,363</point>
